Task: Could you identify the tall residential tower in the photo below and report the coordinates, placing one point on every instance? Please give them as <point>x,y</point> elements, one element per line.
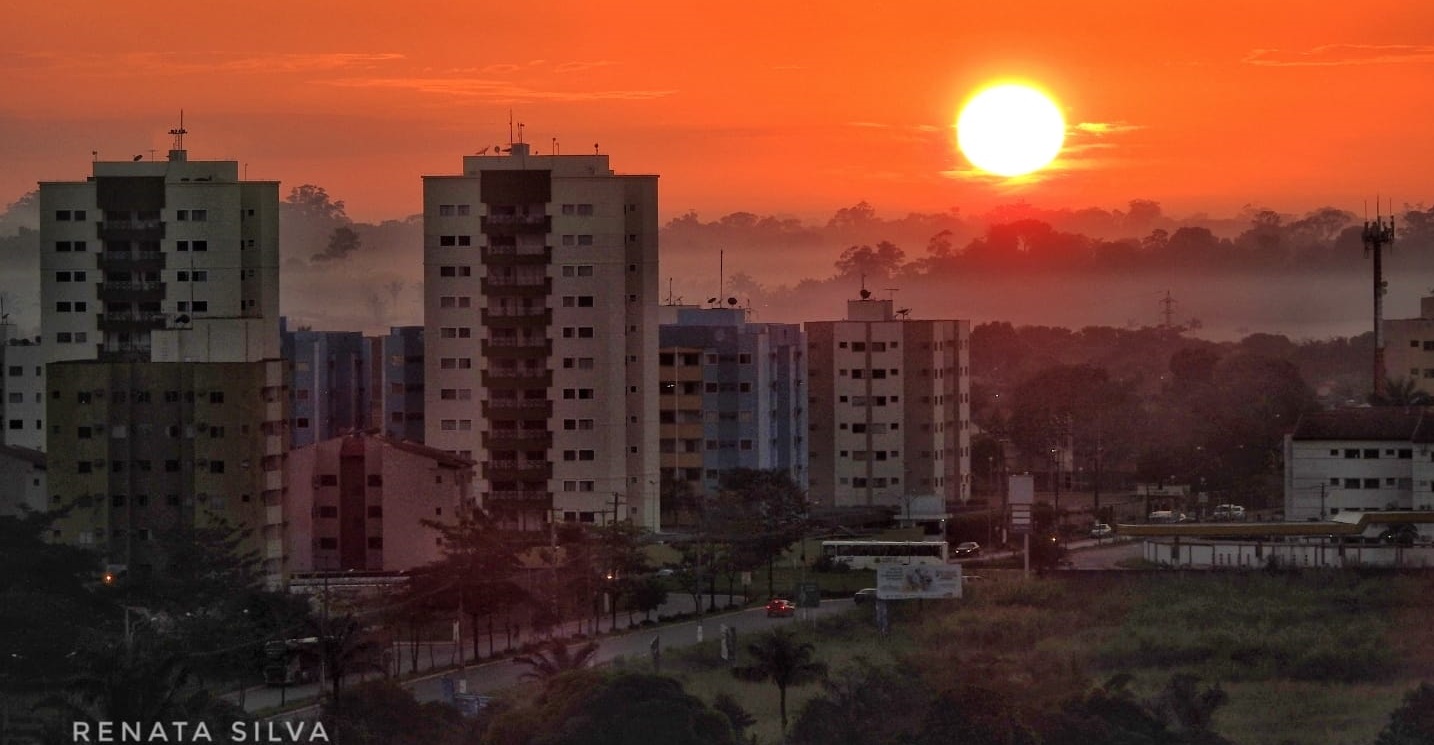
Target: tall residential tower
<point>540,333</point>
<point>160,307</point>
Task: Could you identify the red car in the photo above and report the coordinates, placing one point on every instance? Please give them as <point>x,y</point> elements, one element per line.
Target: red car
<point>779,607</point>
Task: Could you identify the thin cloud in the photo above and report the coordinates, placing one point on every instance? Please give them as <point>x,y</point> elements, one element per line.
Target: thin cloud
<point>496,90</point>
<point>176,63</point>
<point>1105,128</point>
<point>1332,55</point>
<point>581,66</point>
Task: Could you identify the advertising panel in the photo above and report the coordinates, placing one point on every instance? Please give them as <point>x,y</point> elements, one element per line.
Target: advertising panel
<point>911,581</point>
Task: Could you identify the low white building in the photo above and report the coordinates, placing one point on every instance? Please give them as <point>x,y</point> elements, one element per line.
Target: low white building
<point>1359,460</point>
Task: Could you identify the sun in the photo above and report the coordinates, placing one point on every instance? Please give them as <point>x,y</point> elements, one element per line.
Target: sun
<point>1010,130</point>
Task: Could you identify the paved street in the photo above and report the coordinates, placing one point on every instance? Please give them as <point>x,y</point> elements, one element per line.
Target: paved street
<point>491,676</point>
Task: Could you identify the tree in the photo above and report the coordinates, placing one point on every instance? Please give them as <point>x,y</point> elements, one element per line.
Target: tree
<point>1403,392</point>
<point>864,704</point>
<point>313,202</point>
<point>342,242</point>
<point>758,513</point>
<point>738,717</point>
<point>883,261</point>
<point>1413,722</point>
<point>587,707</point>
<point>969,715</point>
<point>780,658</point>
<point>648,594</point>
<point>382,712</point>
<point>556,658</point>
<point>481,561</point>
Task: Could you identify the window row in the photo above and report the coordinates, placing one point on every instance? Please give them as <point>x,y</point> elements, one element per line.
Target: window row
<point>455,240</point>
<point>454,210</point>
<point>577,209</point>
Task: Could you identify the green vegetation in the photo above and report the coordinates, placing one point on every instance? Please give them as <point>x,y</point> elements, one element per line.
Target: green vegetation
<point>1250,658</point>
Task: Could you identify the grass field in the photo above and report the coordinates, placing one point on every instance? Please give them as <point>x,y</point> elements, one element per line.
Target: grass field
<point>1314,658</point>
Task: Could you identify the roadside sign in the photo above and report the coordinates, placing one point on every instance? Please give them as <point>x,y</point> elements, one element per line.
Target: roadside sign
<point>809,595</point>
<point>1021,518</point>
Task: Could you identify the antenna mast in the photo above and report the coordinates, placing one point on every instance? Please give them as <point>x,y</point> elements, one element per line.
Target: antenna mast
<point>179,133</point>
<point>1378,234</point>
<point>1169,311</point>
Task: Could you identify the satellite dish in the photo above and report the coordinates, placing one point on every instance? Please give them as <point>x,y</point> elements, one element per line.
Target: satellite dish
<point>181,319</point>
<point>711,299</point>
<point>865,294</point>
<point>731,301</point>
<point>139,157</point>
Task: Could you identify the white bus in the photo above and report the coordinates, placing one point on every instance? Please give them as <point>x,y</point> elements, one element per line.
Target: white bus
<point>867,554</point>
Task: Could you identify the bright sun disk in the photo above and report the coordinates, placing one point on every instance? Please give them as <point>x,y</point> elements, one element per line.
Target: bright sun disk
<point>1010,130</point>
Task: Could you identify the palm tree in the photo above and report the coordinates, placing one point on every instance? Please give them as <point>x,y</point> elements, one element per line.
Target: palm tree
<point>556,658</point>
<point>1402,392</point>
<point>780,658</point>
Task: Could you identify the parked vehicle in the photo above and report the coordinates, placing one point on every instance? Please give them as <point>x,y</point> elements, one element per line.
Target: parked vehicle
<point>968,549</point>
<point>1228,512</point>
<point>1101,530</point>
<point>864,596</point>
<point>777,607</point>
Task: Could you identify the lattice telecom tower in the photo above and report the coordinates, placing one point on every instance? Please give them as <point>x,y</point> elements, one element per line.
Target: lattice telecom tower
<point>1378,234</point>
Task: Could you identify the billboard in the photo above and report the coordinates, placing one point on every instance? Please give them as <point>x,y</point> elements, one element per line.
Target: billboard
<point>911,581</point>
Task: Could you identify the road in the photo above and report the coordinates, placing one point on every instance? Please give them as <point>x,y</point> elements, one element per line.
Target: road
<point>493,676</point>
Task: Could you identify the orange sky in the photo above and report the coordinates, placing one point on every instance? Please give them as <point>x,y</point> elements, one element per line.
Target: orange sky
<point>766,107</point>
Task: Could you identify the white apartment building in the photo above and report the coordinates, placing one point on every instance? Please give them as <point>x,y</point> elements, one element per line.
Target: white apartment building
<point>889,408</point>
<point>540,333</point>
<point>160,316</point>
<point>1375,459</point>
<point>1409,347</point>
<point>22,390</point>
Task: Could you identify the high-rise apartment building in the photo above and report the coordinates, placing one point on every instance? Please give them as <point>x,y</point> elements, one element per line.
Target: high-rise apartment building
<point>540,333</point>
<point>166,402</point>
<point>734,395</point>
<point>328,389</point>
<point>395,369</point>
<point>890,408</point>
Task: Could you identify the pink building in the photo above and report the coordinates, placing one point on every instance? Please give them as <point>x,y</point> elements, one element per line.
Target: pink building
<point>358,502</point>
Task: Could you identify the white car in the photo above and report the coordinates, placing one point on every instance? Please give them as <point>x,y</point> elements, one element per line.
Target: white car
<point>1101,530</point>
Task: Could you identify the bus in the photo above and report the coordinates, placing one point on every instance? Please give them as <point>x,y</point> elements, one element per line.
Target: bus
<point>867,554</point>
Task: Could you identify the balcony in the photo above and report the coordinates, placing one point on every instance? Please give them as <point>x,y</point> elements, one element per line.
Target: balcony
<point>515,224</point>
<point>132,321</point>
<point>517,439</point>
<point>517,378</point>
<point>517,408</point>
<point>131,292</point>
<point>516,317</point>
<point>517,347</point>
<point>519,496</point>
<point>517,470</point>
<point>525,286</point>
<point>132,261</point>
<point>134,353</point>
<point>131,230</point>
<point>516,255</point>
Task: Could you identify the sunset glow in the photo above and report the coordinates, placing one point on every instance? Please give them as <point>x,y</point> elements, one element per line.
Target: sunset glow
<point>1010,130</point>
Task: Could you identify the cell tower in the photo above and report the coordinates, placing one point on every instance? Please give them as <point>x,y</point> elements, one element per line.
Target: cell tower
<point>1377,234</point>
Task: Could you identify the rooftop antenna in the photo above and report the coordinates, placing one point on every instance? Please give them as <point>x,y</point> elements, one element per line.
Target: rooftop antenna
<point>721,272</point>
<point>595,148</point>
<point>179,133</point>
<point>891,292</point>
<point>510,126</point>
<point>555,146</point>
<point>95,155</point>
<point>520,131</point>
<point>1378,234</point>
<point>1169,312</point>
<point>865,293</point>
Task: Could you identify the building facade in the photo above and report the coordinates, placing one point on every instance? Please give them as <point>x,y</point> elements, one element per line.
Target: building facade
<point>165,387</point>
<point>22,390</point>
<point>890,408</point>
<point>358,502</point>
<point>396,370</point>
<point>22,481</point>
<point>328,388</point>
<point>540,334</point>
<point>1409,347</point>
<point>733,396</point>
<point>1371,459</point>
